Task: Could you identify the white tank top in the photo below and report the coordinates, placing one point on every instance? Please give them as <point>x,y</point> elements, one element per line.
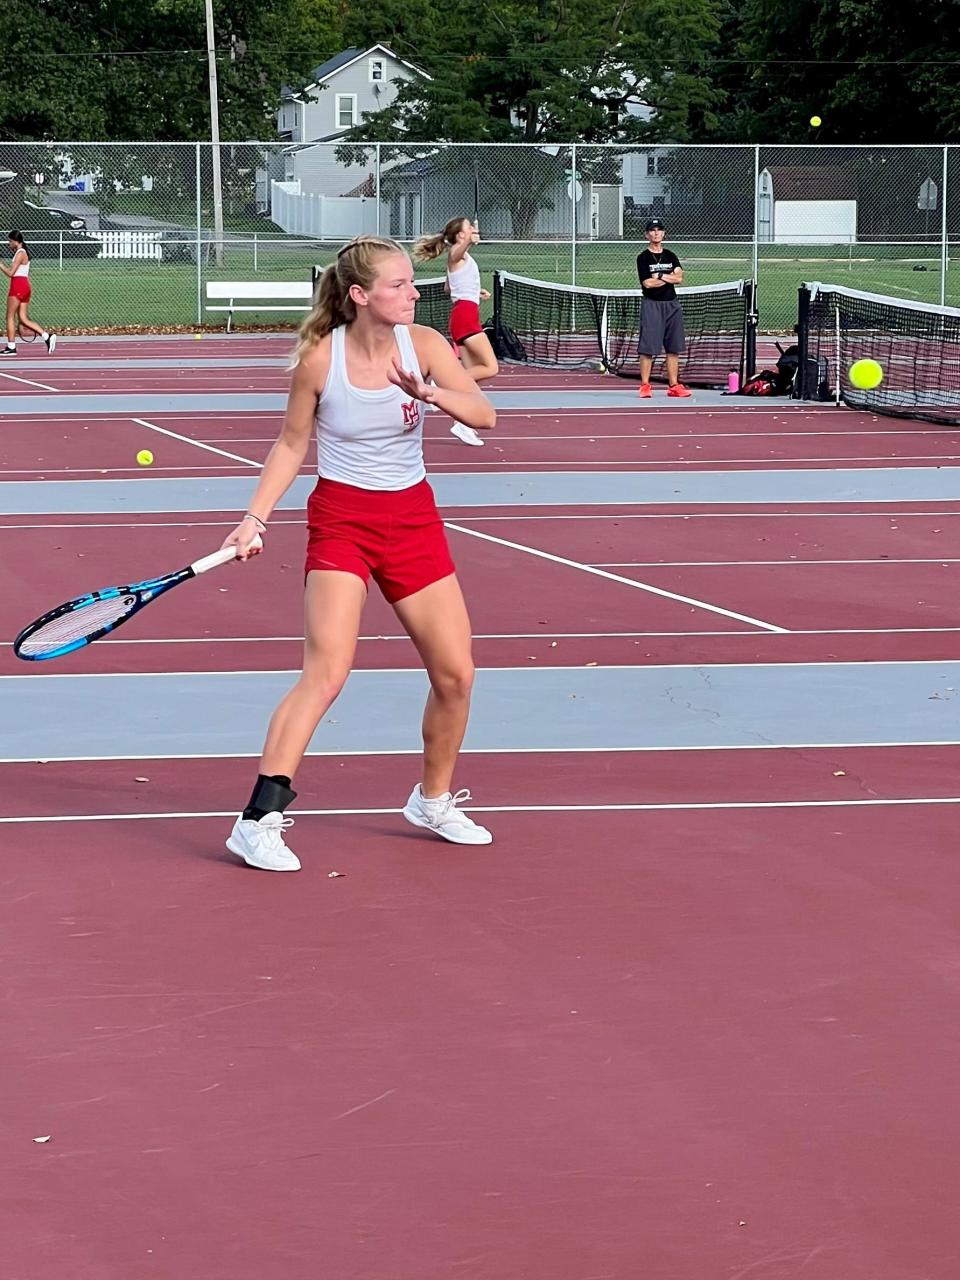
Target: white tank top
<point>370,439</point>
<point>465,281</point>
<point>23,269</point>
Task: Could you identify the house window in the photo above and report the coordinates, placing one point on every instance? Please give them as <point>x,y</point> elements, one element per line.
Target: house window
<point>346,110</point>
<point>651,166</point>
<point>378,69</point>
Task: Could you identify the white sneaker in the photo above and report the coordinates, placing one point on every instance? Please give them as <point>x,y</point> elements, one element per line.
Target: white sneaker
<point>51,341</point>
<point>466,434</point>
<point>260,844</point>
<point>443,818</point>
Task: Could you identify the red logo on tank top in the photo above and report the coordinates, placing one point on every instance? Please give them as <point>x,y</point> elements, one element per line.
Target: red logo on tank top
<point>411,415</point>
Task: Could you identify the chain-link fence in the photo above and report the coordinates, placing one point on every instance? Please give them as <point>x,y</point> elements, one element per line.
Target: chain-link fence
<point>128,234</point>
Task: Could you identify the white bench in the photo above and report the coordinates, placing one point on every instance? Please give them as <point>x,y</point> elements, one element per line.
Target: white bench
<point>258,295</point>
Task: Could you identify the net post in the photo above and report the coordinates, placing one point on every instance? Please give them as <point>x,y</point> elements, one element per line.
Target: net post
<point>749,361</point>
<point>497,305</point>
<point>803,342</point>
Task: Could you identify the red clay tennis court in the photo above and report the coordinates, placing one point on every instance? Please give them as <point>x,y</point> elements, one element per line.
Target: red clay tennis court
<point>690,1015</point>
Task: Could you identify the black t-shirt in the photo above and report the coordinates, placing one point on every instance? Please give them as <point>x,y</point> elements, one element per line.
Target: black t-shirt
<point>657,264</point>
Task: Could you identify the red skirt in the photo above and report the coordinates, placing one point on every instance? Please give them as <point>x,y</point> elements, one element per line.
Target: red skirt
<point>464,320</point>
<point>394,536</point>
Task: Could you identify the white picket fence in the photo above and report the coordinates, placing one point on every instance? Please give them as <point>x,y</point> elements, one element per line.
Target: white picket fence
<point>129,244</point>
<point>321,217</point>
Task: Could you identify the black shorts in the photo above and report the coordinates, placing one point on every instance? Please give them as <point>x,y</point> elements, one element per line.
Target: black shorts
<point>661,328</point>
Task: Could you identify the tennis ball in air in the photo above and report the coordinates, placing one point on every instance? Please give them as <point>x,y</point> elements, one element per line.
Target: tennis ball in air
<point>815,122</point>
<point>145,458</point>
<point>866,374</point>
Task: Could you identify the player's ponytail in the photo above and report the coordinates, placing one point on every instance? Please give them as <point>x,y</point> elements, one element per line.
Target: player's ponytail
<point>429,247</point>
<point>356,264</point>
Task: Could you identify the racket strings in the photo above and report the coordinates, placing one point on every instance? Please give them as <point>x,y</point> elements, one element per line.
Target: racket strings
<point>79,624</point>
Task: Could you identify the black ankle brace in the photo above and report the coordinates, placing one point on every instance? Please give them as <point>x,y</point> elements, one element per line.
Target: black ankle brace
<point>271,794</point>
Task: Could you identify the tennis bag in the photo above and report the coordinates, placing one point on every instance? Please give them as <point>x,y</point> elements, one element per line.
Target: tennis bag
<point>506,345</point>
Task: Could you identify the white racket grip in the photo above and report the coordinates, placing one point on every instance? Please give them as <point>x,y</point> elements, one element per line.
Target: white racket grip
<point>223,556</point>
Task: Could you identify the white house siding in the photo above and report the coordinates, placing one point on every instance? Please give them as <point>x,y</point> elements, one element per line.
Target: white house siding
<point>320,112</point>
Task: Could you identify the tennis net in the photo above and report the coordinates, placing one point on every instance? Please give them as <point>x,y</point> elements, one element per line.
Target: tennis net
<point>433,307</point>
<point>916,344</point>
<point>569,327</point>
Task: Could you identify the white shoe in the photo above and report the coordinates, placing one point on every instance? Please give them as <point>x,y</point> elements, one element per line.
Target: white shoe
<point>260,844</point>
<point>443,818</point>
<point>466,434</point>
<point>51,341</point>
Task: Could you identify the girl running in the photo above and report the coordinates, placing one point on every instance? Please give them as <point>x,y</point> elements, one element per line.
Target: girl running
<point>18,299</point>
<point>463,284</point>
<point>361,376</point>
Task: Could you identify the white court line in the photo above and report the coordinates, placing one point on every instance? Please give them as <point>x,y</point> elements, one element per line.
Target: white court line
<point>29,382</point>
<point>487,751</point>
<point>614,577</point>
<point>648,437</point>
<point>738,564</point>
<point>773,464</point>
<point>152,426</point>
<point>553,635</point>
<point>297,521</point>
<point>682,806</point>
<point>361,673</point>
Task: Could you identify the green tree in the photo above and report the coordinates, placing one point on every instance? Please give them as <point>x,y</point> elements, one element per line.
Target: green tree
<point>873,71</point>
<point>544,70</point>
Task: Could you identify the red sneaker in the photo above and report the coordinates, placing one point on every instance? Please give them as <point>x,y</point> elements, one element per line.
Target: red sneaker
<point>679,391</point>
<point>646,391</point>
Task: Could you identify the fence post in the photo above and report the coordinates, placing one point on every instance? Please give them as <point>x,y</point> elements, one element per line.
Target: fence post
<point>61,249</point>
<point>199,255</point>
<point>377,186</point>
<point>255,252</point>
<point>944,232</point>
<point>573,212</point>
<point>756,213</point>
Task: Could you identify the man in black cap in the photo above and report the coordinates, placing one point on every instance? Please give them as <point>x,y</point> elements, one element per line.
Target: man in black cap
<point>661,320</point>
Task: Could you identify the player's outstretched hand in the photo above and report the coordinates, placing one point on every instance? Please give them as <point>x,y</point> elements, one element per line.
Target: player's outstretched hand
<point>410,384</point>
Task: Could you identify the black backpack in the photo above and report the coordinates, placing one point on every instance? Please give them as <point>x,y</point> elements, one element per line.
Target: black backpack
<point>506,345</point>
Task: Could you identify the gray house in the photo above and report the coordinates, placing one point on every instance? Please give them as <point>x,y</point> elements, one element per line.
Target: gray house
<point>343,88</point>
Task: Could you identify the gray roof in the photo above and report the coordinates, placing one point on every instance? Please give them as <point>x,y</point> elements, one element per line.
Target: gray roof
<point>335,63</point>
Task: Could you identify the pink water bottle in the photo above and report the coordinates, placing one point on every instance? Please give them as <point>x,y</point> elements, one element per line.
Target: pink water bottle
<point>733,382</point>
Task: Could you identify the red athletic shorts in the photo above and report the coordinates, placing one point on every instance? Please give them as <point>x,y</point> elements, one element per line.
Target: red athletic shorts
<point>20,288</point>
<point>394,536</point>
<point>464,320</point>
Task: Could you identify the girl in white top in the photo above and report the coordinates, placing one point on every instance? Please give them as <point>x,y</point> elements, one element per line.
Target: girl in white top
<point>463,284</point>
<point>362,373</point>
<point>18,299</point>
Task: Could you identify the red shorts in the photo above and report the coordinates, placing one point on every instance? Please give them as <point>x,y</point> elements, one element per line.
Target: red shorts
<point>20,288</point>
<point>464,320</point>
<point>394,536</point>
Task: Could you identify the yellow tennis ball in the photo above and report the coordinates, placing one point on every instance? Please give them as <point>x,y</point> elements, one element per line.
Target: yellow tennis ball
<point>815,122</point>
<point>198,336</point>
<point>145,458</point>
<point>866,374</point>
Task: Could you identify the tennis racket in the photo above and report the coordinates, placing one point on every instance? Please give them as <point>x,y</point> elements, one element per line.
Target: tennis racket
<point>86,618</point>
<point>25,335</point>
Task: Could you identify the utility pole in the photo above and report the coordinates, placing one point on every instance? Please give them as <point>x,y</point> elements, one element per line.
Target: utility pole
<point>215,135</point>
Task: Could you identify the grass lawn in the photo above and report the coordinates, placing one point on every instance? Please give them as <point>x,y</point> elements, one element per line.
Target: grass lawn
<point>95,293</point>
